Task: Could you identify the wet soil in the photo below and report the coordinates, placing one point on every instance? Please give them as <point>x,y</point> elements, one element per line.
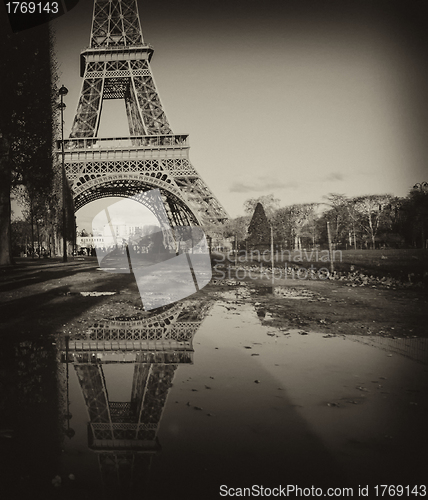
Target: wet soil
<point>39,298</point>
<point>273,389</point>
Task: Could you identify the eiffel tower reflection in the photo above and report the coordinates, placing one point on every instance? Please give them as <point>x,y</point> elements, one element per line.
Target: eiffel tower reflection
<point>123,434</point>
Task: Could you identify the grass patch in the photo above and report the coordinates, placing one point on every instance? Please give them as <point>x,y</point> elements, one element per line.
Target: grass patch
<point>397,263</point>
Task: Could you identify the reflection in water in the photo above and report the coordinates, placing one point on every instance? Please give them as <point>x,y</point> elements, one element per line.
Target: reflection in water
<point>28,417</point>
<point>324,410</point>
<point>415,349</point>
<point>123,434</point>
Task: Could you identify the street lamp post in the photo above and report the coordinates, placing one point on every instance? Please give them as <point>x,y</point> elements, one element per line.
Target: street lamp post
<point>63,91</point>
<point>422,187</point>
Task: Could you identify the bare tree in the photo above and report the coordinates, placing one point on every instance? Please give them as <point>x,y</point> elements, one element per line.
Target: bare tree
<point>294,223</point>
<point>373,211</point>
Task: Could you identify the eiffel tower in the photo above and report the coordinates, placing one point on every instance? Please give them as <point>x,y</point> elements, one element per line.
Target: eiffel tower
<point>117,66</point>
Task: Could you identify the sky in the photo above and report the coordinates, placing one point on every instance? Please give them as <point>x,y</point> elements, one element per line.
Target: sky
<point>124,212</point>
<point>295,98</point>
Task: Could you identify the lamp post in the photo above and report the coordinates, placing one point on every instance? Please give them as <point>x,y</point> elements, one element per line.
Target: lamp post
<point>272,256</point>
<point>63,91</point>
<point>330,248</point>
<point>422,187</point>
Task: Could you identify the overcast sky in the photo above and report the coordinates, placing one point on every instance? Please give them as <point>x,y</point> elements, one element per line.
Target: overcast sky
<point>295,98</point>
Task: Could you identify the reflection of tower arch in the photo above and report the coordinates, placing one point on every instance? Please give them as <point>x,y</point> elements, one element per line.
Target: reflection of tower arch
<point>124,433</point>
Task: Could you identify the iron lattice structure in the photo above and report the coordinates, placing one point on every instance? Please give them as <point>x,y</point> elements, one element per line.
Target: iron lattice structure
<point>116,65</point>
<point>124,434</point>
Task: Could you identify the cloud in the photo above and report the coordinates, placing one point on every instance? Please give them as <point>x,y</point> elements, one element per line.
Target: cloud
<point>261,185</point>
<point>334,176</point>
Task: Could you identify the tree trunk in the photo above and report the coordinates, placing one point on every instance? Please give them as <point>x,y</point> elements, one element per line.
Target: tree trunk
<point>5,208</point>
<point>32,230</point>
<point>5,226</point>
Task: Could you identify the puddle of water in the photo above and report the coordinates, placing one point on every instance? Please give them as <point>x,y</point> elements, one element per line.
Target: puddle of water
<point>176,404</point>
<point>292,293</point>
<point>415,348</point>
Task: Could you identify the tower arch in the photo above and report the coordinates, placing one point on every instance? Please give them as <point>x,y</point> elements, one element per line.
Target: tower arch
<point>122,185</point>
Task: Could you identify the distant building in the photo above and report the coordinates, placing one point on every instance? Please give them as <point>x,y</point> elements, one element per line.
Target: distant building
<point>110,236</point>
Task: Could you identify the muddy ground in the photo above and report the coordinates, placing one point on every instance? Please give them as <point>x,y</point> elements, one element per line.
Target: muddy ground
<point>369,418</point>
<point>45,297</point>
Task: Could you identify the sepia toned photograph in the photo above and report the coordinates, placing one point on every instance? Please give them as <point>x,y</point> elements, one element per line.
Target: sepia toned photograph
<point>213,249</point>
